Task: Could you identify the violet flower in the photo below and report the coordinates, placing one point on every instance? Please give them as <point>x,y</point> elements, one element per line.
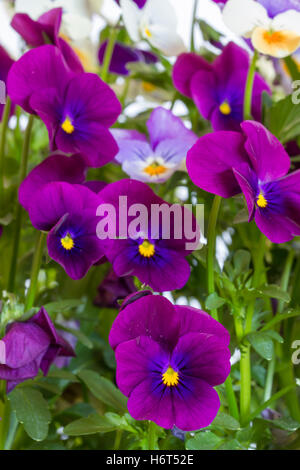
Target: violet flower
<point>68,213</point>
<point>218,88</point>
<point>156,158</point>
<point>77,109</point>
<point>156,260</point>
<point>169,358</point>
<point>31,346</point>
<point>122,55</point>
<point>253,162</point>
<point>139,3</point>
<point>46,31</point>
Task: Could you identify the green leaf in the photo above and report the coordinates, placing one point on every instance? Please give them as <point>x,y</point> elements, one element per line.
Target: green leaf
<point>226,421</point>
<point>241,261</point>
<point>31,410</point>
<point>62,305</point>
<point>262,343</point>
<point>104,390</point>
<point>284,120</point>
<point>288,424</point>
<point>274,335</point>
<point>90,425</point>
<point>214,301</point>
<point>203,441</point>
<point>275,292</point>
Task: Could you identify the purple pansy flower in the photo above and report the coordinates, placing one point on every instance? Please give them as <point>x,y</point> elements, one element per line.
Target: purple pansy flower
<point>68,213</point>
<point>44,31</point>
<point>156,158</point>
<point>122,55</point>
<point>57,167</point>
<point>156,260</point>
<point>5,64</point>
<point>256,163</point>
<point>77,109</point>
<point>218,88</point>
<point>112,289</point>
<point>31,346</point>
<point>169,358</point>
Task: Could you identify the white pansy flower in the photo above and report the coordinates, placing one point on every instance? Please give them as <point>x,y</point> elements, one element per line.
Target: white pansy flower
<point>156,22</point>
<point>278,36</point>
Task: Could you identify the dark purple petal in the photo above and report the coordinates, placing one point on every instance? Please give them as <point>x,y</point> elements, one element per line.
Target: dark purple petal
<point>151,315</point>
<point>57,167</point>
<point>193,320</point>
<point>54,200</point>
<point>186,66</point>
<point>215,174</point>
<point>261,146</point>
<point>203,356</point>
<point>38,69</point>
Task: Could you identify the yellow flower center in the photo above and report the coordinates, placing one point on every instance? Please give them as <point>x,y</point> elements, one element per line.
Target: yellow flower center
<point>148,32</point>
<point>170,378</point>
<point>148,87</point>
<point>67,126</point>
<point>67,242</point>
<point>155,169</point>
<point>225,108</point>
<point>146,249</point>
<point>261,201</point>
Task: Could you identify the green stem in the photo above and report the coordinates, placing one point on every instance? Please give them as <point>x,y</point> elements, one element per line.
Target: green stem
<point>211,248</point>
<point>108,53</point>
<point>249,87</point>
<point>232,403</point>
<point>192,42</point>
<point>3,414</point>
<point>286,373</point>
<point>245,363</point>
<point>4,125</point>
<point>118,439</point>
<point>152,437</point>
<point>269,378</point>
<point>19,210</point>
<point>36,264</point>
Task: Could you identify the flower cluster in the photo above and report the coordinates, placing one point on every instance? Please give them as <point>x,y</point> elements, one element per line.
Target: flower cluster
<point>113,194</point>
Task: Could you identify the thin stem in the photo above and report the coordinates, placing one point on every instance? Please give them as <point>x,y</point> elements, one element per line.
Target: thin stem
<point>192,42</point>
<point>245,363</point>
<point>211,249</point>
<point>118,439</point>
<point>249,87</point>
<point>108,53</point>
<point>5,119</point>
<point>36,264</point>
<point>232,403</point>
<point>19,210</point>
<point>152,437</point>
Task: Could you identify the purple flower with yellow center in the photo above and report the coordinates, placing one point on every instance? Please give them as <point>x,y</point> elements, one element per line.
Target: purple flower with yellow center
<point>77,109</point>
<point>156,158</point>
<point>68,213</point>
<point>46,31</point>
<point>169,358</point>
<point>256,163</point>
<point>30,346</point>
<point>123,55</point>
<point>218,89</point>
<point>5,64</point>
<point>154,253</point>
